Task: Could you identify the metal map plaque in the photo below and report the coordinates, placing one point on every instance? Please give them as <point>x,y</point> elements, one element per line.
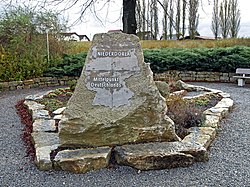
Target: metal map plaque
<point>106,74</point>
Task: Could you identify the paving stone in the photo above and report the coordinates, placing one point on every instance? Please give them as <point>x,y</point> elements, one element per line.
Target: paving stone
<point>83,160</point>
<point>220,112</point>
<point>32,105</point>
<point>43,139</point>
<point>201,135</point>
<point>160,155</point>
<point>42,159</point>
<point>40,114</point>
<point>211,121</point>
<point>57,117</point>
<point>189,87</point>
<point>43,125</point>
<point>59,111</point>
<point>224,95</point>
<point>225,103</point>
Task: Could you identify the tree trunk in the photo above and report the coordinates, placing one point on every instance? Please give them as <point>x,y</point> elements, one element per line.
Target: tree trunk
<point>128,19</point>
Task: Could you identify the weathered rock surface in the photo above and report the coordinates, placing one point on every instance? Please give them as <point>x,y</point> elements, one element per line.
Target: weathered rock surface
<point>43,139</point>
<point>32,105</point>
<point>44,125</point>
<point>163,88</point>
<point>225,103</point>
<point>201,135</point>
<point>160,155</point>
<point>44,144</point>
<point>42,159</point>
<point>59,111</point>
<point>211,121</point>
<point>116,100</point>
<point>83,160</point>
<point>40,114</point>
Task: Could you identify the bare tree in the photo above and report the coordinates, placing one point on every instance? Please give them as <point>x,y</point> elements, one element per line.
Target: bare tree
<point>154,19</point>
<point>224,18</point>
<point>184,6</point>
<point>178,19</point>
<point>215,19</point>
<point>171,18</point>
<point>165,20</point>
<point>193,17</point>
<point>234,19</point>
<point>128,19</point>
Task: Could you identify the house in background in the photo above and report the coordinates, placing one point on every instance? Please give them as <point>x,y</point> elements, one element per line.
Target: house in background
<point>198,38</point>
<point>73,36</point>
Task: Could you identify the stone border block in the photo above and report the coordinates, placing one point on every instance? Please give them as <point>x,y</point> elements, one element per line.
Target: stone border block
<point>42,159</point>
<point>201,135</point>
<point>43,125</point>
<point>83,160</point>
<point>160,155</point>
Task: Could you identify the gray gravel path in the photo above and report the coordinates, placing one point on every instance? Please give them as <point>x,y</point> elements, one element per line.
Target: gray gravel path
<point>229,163</point>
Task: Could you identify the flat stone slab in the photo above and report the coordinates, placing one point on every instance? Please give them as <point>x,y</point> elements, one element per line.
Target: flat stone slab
<point>42,159</point>
<point>201,135</point>
<point>59,111</point>
<point>220,112</point>
<point>44,125</point>
<point>32,105</point>
<point>43,139</point>
<point>160,155</point>
<point>83,160</point>
<point>40,114</point>
<point>211,121</point>
<point>225,103</point>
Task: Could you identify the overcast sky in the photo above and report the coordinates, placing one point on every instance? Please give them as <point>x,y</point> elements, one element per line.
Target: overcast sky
<point>93,25</point>
<point>109,18</point>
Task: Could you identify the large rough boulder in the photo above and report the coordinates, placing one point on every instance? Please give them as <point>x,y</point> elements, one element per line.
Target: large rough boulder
<point>116,100</point>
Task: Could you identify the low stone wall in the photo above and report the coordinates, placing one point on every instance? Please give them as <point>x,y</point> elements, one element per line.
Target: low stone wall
<point>166,76</point>
<point>195,76</point>
<point>37,82</point>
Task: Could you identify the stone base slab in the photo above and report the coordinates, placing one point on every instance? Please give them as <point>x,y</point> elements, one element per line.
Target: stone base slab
<point>160,155</point>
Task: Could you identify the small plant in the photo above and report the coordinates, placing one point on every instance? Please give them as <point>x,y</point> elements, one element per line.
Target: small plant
<point>184,114</point>
<point>56,99</point>
<point>26,119</point>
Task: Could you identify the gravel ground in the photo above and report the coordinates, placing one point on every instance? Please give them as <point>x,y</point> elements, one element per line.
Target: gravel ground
<point>229,163</point>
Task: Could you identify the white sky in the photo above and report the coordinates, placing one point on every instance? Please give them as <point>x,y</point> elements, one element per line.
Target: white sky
<point>92,25</point>
<point>111,18</point>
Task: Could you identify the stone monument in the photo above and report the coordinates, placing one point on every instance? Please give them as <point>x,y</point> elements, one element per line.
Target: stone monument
<point>116,101</point>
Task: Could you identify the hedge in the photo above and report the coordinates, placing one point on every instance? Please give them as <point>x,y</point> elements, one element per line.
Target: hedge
<point>71,65</point>
<point>198,59</point>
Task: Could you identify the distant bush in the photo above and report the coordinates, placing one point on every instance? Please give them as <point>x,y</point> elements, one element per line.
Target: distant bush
<point>71,65</point>
<point>198,59</point>
<point>15,67</point>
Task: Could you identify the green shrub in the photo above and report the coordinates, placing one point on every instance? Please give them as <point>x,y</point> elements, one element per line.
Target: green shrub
<point>198,59</point>
<point>17,67</point>
<point>71,65</point>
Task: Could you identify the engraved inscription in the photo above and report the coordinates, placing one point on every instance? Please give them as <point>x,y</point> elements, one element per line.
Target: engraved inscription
<point>106,76</point>
<point>113,53</point>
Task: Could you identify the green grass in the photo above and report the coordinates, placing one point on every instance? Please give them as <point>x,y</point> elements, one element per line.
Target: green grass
<point>78,47</point>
